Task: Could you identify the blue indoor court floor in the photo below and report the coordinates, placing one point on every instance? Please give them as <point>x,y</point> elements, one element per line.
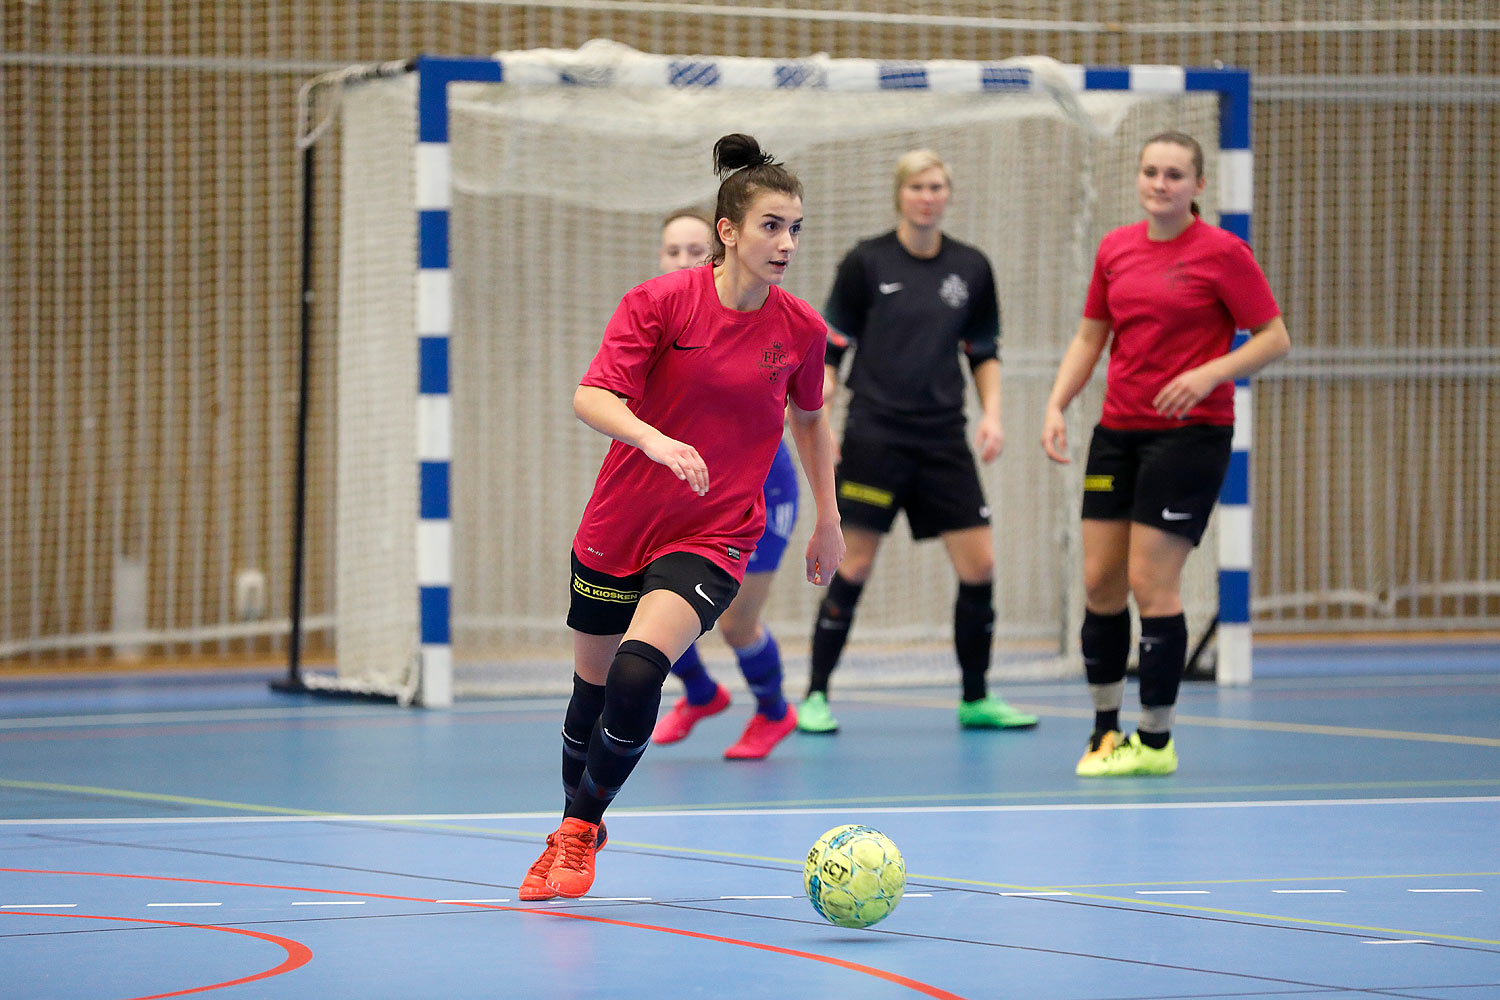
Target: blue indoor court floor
<point>1331,833</point>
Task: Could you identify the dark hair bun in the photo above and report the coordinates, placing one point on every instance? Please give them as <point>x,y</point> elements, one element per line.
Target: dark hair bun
<point>738,150</point>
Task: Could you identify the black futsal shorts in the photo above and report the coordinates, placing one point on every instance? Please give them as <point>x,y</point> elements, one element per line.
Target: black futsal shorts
<point>936,483</point>
<point>1168,479</point>
<point>604,605</point>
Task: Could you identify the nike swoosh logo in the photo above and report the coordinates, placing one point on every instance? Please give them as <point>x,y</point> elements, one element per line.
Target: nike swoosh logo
<point>698,589</point>
<point>887,287</point>
<point>679,347</point>
<point>1167,514</point>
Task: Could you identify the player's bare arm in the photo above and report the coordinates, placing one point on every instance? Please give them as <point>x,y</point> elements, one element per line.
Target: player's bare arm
<point>1072,375</point>
<point>1267,342</point>
<point>989,437</point>
<point>607,413</point>
<point>813,436</point>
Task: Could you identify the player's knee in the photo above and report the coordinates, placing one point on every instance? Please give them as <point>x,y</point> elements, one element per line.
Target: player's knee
<point>1106,588</point>
<point>1155,593</point>
<point>739,632</point>
<point>632,695</point>
<point>837,608</point>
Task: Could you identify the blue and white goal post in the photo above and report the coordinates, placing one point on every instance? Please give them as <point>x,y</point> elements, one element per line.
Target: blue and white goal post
<point>410,531</point>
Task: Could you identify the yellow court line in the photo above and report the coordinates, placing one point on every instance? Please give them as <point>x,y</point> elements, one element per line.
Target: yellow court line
<point>1035,796</point>
<point>1249,914</point>
<point>1214,722</point>
<point>125,793</point>
<point>186,800</point>
<point>1132,901</point>
<point>790,862</point>
<point>1281,878</point>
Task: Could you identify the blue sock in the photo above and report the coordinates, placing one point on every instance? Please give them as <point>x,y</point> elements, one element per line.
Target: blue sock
<point>689,669</point>
<point>761,665</point>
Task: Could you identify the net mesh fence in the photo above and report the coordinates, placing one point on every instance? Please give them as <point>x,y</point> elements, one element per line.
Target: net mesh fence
<point>149,176</point>
<point>558,196</point>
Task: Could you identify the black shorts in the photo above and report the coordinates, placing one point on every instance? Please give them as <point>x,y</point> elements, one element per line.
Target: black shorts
<point>936,484</point>
<point>604,605</point>
<point>1167,479</point>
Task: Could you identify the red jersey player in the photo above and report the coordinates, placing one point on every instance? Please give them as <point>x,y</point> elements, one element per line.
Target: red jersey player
<point>1172,290</point>
<point>697,370</point>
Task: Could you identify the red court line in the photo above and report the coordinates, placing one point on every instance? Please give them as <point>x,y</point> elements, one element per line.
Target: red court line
<point>297,953</point>
<point>890,977</point>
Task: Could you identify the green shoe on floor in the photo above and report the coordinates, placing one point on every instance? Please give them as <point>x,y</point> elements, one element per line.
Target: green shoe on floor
<point>813,715</point>
<point>992,713</point>
<point>1132,757</point>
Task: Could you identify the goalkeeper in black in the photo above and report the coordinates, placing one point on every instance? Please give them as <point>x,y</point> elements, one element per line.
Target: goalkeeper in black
<point>908,303</point>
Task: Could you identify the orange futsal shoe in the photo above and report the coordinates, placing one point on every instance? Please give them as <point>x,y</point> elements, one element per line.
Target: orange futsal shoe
<point>761,735</point>
<point>534,885</point>
<point>572,871</point>
<point>676,724</point>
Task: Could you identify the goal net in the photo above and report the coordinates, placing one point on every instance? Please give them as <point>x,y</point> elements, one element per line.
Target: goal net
<point>555,194</point>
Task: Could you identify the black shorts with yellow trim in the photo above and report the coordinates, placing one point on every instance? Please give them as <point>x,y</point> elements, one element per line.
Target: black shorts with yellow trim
<point>601,604</point>
<point>1167,479</point>
<point>935,483</point>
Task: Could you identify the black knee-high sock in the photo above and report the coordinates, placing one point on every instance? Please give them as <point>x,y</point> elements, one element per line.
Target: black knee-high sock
<point>632,695</point>
<point>831,630</point>
<point>1162,655</point>
<point>578,726</point>
<point>1105,643</point>
<point>974,634</point>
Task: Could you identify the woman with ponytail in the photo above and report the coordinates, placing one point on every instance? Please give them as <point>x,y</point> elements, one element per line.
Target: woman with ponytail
<point>1166,297</point>
<point>697,370</point>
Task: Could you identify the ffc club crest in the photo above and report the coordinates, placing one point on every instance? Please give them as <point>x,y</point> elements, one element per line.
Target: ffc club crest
<point>773,361</point>
<point>954,292</point>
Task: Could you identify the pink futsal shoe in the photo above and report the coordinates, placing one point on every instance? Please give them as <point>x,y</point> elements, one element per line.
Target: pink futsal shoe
<point>572,871</point>
<point>761,735</point>
<point>677,723</point>
<point>534,885</point>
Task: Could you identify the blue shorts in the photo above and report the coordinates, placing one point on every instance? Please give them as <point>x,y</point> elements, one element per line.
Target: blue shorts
<point>781,513</point>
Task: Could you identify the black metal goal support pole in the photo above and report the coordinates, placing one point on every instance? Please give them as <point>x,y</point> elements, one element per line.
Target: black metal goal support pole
<point>293,680</point>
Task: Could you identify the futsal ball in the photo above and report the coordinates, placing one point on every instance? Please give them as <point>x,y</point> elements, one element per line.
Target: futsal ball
<point>854,876</point>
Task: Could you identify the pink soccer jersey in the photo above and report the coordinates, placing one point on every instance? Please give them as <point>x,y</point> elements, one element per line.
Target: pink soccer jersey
<point>1173,305</point>
<point>711,377</point>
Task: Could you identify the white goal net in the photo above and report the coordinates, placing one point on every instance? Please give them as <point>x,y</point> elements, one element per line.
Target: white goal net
<point>557,193</point>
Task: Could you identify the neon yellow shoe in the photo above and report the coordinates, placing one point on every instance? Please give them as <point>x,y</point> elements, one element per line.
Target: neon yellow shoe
<point>1133,757</point>
<point>1102,743</point>
<point>990,712</point>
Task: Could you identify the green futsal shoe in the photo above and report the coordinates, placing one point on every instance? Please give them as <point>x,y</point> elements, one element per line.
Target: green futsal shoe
<point>990,712</point>
<point>1132,757</point>
<point>813,715</point>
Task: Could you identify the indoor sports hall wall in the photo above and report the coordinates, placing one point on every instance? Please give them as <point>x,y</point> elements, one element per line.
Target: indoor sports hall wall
<point>149,310</point>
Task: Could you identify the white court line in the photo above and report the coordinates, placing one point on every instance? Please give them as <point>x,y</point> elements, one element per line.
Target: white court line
<point>1444,890</point>
<point>330,902</point>
<point>1037,893</point>
<point>184,904</point>
<point>831,810</point>
<point>38,906</point>
<point>473,901</point>
<point>614,899</point>
<point>1406,941</point>
<point>1172,892</point>
<point>1305,892</point>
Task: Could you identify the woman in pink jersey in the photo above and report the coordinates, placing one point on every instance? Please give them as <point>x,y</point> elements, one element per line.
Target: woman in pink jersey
<point>1166,297</point>
<point>686,236</point>
<point>696,373</point>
